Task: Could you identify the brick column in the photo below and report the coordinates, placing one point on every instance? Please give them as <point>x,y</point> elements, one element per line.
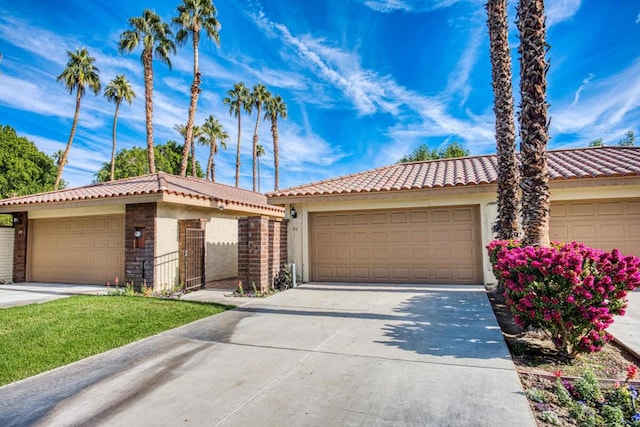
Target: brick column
<point>254,266</point>
<point>274,249</point>
<point>139,252</point>
<point>284,252</point>
<point>20,246</point>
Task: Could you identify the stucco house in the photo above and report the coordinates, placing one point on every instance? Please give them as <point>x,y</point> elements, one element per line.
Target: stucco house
<point>429,222</point>
<point>159,229</point>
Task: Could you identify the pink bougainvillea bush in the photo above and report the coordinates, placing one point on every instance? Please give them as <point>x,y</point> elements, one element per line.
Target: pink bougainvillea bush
<point>569,290</point>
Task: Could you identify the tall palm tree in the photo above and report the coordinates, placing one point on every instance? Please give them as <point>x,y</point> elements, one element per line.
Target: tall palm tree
<point>118,90</point>
<point>157,39</point>
<point>259,153</point>
<point>193,16</point>
<point>196,132</point>
<point>275,107</point>
<point>212,132</point>
<point>534,125</point>
<point>238,100</point>
<point>506,227</point>
<point>259,97</point>
<point>79,74</point>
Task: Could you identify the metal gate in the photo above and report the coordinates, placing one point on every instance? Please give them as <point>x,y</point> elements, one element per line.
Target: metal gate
<point>194,259</point>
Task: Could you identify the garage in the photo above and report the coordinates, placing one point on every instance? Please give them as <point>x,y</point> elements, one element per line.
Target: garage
<point>420,245</point>
<point>603,224</point>
<point>88,250</point>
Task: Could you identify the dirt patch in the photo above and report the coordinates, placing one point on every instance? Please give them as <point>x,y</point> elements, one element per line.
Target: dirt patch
<point>536,360</point>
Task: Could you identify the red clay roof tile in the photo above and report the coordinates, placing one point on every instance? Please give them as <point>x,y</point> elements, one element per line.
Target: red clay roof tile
<point>598,162</point>
<point>159,183</point>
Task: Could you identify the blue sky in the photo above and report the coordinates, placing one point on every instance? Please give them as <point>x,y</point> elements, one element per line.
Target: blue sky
<point>365,81</point>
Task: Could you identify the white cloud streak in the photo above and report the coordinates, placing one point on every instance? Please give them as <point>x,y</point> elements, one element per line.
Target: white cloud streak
<point>561,10</point>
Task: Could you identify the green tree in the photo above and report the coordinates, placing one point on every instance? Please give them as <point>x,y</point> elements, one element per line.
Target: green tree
<point>506,226</point>
<point>156,38</point>
<point>212,132</point>
<point>23,168</point>
<point>629,140</point>
<point>194,16</point>
<point>259,96</point>
<point>422,153</point>
<point>118,90</point>
<point>238,100</point>
<point>534,124</point>
<point>275,107</point>
<point>597,143</point>
<point>79,74</point>
<point>196,132</point>
<point>133,162</point>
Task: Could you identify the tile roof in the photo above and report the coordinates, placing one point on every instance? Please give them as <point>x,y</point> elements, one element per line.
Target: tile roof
<point>153,184</point>
<point>597,162</point>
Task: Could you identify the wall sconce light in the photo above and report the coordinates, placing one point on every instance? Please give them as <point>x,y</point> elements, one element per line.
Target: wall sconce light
<point>17,220</point>
<point>294,214</point>
<point>139,238</point>
<point>221,206</point>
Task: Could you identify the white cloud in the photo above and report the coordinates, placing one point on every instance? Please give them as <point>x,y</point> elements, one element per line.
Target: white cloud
<point>561,10</point>
<point>638,19</point>
<point>585,82</point>
<point>604,106</point>
<point>459,78</point>
<point>387,6</point>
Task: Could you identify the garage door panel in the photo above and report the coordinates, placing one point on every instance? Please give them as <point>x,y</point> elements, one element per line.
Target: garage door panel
<point>602,224</point>
<point>428,245</point>
<point>77,250</point>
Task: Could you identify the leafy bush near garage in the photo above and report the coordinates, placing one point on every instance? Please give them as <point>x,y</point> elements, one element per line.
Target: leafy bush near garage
<point>569,290</point>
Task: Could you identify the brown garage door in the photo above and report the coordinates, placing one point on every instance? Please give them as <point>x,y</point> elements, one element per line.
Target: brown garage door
<point>77,250</point>
<point>427,245</point>
<point>603,224</point>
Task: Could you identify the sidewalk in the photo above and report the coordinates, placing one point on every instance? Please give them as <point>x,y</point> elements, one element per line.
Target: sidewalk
<point>626,329</point>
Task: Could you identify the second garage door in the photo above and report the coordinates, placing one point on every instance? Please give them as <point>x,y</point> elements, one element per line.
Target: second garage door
<point>425,245</point>
<point>77,250</point>
<point>602,224</point>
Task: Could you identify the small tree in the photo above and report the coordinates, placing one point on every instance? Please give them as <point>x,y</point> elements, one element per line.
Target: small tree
<point>422,153</point>
<point>629,140</point>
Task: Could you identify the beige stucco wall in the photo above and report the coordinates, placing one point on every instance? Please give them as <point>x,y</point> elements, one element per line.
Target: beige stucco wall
<point>298,244</point>
<point>221,239</point>
<point>6,253</point>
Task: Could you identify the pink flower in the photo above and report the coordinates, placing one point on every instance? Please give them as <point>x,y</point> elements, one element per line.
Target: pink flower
<point>632,371</point>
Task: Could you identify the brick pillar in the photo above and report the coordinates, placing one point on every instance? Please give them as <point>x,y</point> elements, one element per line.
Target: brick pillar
<point>243,250</point>
<point>139,252</point>
<point>254,266</point>
<point>20,247</point>
<point>284,252</point>
<point>274,249</point>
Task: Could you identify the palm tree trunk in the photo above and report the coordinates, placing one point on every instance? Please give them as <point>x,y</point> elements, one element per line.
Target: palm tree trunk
<point>209,173</point>
<point>276,161</point>
<point>148,105</point>
<point>193,159</point>
<point>195,91</point>
<point>534,127</point>
<point>238,150</point>
<point>63,161</point>
<point>258,163</point>
<point>506,226</point>
<point>113,136</point>
<point>255,147</point>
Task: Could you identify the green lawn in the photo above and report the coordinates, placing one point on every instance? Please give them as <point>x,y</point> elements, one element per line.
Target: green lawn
<point>39,337</point>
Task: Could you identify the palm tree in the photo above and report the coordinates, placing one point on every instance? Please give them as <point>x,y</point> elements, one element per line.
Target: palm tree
<point>259,97</point>
<point>156,38</point>
<point>196,132</point>
<point>193,16</point>
<point>238,100</point>
<point>259,153</point>
<point>506,226</point>
<point>212,132</point>
<point>534,126</point>
<point>118,90</point>
<point>275,107</point>
<point>79,74</point>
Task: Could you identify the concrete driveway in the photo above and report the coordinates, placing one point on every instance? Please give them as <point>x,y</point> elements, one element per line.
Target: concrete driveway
<point>29,293</point>
<point>320,354</point>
